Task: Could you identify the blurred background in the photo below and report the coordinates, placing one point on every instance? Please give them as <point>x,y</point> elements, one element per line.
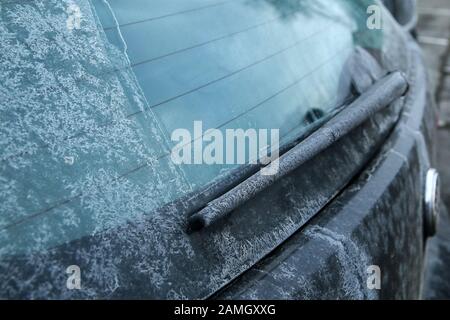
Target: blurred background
<point>433,35</point>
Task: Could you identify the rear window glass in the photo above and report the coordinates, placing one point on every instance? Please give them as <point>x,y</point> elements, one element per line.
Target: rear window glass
<point>91,92</point>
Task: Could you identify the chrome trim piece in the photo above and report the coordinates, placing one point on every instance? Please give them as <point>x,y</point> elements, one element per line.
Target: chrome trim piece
<point>431,202</point>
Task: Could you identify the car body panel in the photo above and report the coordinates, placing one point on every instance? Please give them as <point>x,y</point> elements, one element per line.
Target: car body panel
<point>375,221</point>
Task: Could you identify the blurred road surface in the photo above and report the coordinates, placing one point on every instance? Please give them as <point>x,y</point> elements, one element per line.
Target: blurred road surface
<point>434,38</point>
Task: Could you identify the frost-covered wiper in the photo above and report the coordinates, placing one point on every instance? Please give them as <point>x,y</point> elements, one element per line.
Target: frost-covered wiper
<point>376,98</point>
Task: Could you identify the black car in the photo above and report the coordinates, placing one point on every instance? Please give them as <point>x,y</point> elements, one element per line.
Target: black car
<point>95,95</point>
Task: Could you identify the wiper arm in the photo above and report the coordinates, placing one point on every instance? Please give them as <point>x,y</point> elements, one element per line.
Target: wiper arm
<point>379,96</point>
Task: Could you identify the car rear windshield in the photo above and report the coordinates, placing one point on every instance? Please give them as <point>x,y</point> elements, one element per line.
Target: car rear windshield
<point>91,93</point>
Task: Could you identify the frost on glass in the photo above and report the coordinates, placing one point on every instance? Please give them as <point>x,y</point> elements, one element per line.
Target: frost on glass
<point>72,162</point>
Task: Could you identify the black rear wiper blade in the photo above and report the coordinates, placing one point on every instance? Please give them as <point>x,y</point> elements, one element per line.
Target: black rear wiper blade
<point>379,96</point>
